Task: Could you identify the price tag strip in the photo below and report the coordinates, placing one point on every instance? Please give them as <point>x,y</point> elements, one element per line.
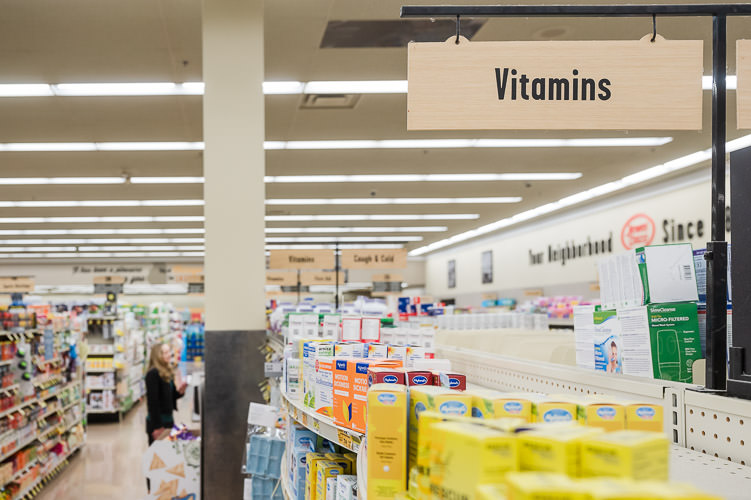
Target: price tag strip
<point>325,427</point>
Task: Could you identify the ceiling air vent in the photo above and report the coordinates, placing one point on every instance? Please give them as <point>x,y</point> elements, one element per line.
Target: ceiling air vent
<point>329,101</point>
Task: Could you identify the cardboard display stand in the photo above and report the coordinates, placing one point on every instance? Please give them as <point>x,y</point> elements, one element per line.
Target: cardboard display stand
<point>173,469</point>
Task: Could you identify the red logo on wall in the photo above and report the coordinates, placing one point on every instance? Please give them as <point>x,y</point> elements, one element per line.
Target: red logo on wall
<point>638,231</point>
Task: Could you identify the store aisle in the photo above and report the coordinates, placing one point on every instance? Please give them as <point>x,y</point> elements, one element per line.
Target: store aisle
<point>109,465</point>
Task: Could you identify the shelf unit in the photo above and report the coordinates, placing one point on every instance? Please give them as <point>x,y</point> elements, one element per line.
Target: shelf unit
<point>324,426</point>
<point>52,470</point>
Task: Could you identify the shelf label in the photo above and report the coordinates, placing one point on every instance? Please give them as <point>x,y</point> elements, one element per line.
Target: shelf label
<point>345,439</point>
<point>272,369</point>
<point>316,426</point>
<point>356,442</point>
<point>555,85</point>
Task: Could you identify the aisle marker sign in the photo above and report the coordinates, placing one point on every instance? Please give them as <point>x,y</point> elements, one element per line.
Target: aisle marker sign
<point>301,259</point>
<point>563,85</point>
<point>374,259</point>
<point>16,284</point>
<point>282,278</point>
<point>743,90</point>
<point>321,278</point>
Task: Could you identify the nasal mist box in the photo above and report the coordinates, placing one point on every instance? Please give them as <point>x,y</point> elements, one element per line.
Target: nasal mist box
<point>542,486</point>
<point>555,409</point>
<point>325,469</point>
<point>311,469</point>
<point>445,401</point>
<point>626,454</point>
<point>644,417</point>
<point>469,455</point>
<point>607,415</point>
<point>492,404</point>
<point>558,449</point>
<point>386,435</point>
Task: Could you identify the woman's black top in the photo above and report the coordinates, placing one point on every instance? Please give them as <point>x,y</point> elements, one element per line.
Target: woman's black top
<point>161,400</point>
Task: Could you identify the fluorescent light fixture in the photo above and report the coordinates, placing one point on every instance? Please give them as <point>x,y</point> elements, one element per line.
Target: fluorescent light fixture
<point>89,241</point>
<point>390,201</point>
<point>368,229</point>
<point>366,217</point>
<point>97,255</point>
<point>357,87</point>
<point>532,176</point>
<point>166,180</point>
<point>102,203</point>
<point>595,192</point>
<point>349,144</point>
<point>146,248</point>
<point>197,88</point>
<point>60,180</point>
<point>68,220</point>
<point>332,247</point>
<point>326,239</point>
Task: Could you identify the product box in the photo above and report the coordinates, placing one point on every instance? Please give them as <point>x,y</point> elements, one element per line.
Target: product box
<point>415,353</point>
<point>377,351</point>
<point>608,343</point>
<point>419,378</point>
<point>667,273</point>
<point>700,266</point>
<point>324,392</point>
<point>292,375</point>
<point>644,417</point>
<point>386,435</point>
<point>350,350</point>
<point>344,462</point>
<point>584,335</point>
<point>552,409</point>
<point>310,325</point>
<point>491,492</point>
<point>398,352</point>
<point>607,415</point>
<point>351,329</point>
<point>487,403</point>
<point>331,326</point>
<point>424,438</point>
<point>331,488</point>
<point>443,400</point>
<point>346,487</point>
<point>541,486</point>
<point>371,330</point>
<point>702,316</point>
<point>382,375</point>
<point>312,351</point>
<point>296,326</point>
<point>342,397</point>
<point>468,455</point>
<point>325,469</point>
<point>456,381</point>
<point>556,449</point>
<point>661,341</point>
<point>627,454</point>
<point>311,470</point>
<point>675,491</point>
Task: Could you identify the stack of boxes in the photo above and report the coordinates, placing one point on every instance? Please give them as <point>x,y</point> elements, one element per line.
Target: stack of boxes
<point>647,324</point>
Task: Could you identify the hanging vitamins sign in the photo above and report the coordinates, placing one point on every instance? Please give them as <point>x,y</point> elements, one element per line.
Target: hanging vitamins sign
<point>574,85</point>
<point>743,92</point>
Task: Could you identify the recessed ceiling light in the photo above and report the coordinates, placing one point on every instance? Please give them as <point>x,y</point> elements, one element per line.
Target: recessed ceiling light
<point>364,217</point>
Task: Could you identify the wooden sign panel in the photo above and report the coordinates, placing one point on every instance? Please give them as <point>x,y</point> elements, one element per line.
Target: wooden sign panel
<point>301,259</point>
<point>387,277</point>
<point>374,259</point>
<point>321,277</point>
<point>109,280</point>
<point>284,278</point>
<point>574,85</point>
<point>743,92</point>
<point>16,284</point>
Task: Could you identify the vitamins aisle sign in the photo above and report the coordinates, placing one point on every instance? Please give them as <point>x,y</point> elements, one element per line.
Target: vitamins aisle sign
<point>575,85</point>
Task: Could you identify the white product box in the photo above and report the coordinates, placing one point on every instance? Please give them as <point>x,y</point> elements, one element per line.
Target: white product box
<point>377,351</point>
<point>310,322</point>
<point>292,378</point>
<point>346,487</point>
<point>351,329</point>
<point>584,334</point>
<point>331,488</point>
<point>608,342</point>
<point>371,330</point>
<point>415,353</point>
<point>398,352</point>
<point>331,326</point>
<point>296,328</point>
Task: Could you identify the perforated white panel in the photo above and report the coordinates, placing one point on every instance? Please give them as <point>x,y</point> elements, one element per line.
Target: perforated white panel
<point>719,426</point>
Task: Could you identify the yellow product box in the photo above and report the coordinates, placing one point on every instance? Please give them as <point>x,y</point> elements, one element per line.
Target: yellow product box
<point>424,433</point>
<point>402,496</point>
<point>343,462</point>
<point>644,417</point>
<point>542,486</point>
<point>615,489</point>
<point>325,469</point>
<point>441,399</point>
<point>352,457</point>
<point>487,403</point>
<point>607,415</point>
<point>627,454</point>
<point>387,438</point>
<point>311,461</point>
<point>468,455</point>
<point>413,486</point>
<point>558,449</point>
<point>557,409</point>
<point>507,424</point>
<point>491,492</point>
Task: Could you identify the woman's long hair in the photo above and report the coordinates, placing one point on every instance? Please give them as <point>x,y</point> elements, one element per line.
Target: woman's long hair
<point>156,361</point>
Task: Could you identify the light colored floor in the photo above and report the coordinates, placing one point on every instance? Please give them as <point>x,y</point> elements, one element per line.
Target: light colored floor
<point>108,467</point>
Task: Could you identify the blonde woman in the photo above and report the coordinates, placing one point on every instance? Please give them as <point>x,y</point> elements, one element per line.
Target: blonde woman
<point>161,392</point>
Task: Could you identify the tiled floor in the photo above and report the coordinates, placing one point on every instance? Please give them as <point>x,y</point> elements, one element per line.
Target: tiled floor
<point>108,467</point>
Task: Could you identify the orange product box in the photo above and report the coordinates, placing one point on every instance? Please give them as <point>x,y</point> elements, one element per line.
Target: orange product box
<point>351,410</point>
<point>342,398</point>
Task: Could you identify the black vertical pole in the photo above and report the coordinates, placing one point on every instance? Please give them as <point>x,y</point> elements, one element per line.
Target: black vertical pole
<point>716,255</point>
<point>336,268</point>
<point>299,285</point>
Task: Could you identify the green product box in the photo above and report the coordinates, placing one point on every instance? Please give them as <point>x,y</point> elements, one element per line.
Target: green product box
<point>661,340</point>
<point>667,273</point>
